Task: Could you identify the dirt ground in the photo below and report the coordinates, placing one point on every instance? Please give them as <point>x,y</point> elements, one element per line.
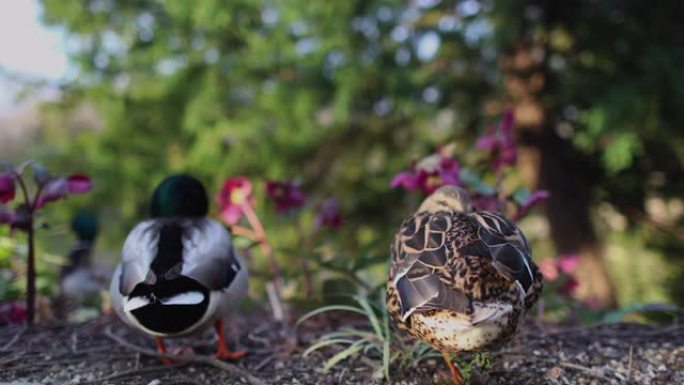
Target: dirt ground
<point>542,354</point>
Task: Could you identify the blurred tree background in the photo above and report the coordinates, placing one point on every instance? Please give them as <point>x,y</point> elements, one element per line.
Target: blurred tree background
<point>342,95</point>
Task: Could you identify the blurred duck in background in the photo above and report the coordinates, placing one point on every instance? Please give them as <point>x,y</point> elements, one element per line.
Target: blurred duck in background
<point>81,284</point>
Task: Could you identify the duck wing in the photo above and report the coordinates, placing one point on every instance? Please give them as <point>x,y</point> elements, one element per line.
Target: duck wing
<point>209,256</point>
<point>163,249</point>
<point>420,255</point>
<point>501,241</point>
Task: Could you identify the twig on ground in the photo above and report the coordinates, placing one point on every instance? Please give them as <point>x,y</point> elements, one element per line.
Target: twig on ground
<point>274,300</point>
<point>264,362</point>
<point>74,341</point>
<point>14,340</point>
<point>185,381</point>
<point>10,360</point>
<point>186,358</point>
<point>252,336</point>
<point>591,372</point>
<point>629,363</point>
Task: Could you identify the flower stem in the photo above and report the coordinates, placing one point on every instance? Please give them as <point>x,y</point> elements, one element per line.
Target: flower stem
<point>31,266</point>
<point>265,246</point>
<point>500,204</point>
<point>305,263</point>
<point>244,232</point>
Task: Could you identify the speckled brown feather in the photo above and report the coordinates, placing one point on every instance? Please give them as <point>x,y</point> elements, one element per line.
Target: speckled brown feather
<point>468,271</point>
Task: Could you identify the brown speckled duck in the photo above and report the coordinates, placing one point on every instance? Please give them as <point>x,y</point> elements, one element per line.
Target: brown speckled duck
<point>461,280</point>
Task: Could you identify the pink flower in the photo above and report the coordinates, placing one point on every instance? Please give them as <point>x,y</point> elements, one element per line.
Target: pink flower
<point>405,179</point>
<point>235,196</point>
<point>568,262</point>
<point>79,183</point>
<point>429,174</point>
<point>12,312</point>
<point>549,269</point>
<point>534,198</point>
<point>563,266</point>
<point>329,214</point>
<point>286,194</point>
<point>7,188</point>
<point>569,286</point>
<point>499,142</point>
<point>58,188</point>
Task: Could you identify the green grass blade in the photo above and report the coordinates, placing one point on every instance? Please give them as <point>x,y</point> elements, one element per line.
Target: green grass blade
<point>326,309</point>
<point>326,342</point>
<point>351,350</point>
<point>386,345</point>
<point>372,317</point>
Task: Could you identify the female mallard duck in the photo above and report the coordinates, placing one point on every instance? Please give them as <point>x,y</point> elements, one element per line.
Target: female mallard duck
<point>460,280</point>
<point>179,272</point>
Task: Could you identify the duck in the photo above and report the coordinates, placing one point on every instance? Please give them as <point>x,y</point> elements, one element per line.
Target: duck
<point>179,272</point>
<point>80,282</point>
<point>460,280</point>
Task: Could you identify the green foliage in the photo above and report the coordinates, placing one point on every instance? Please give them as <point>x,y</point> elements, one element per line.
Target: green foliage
<point>480,361</point>
<point>13,255</point>
<point>343,95</point>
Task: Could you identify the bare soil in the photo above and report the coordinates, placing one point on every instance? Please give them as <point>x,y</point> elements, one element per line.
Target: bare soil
<point>542,354</point>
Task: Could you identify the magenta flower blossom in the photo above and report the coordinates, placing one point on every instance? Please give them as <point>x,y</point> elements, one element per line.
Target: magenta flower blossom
<point>499,142</point>
<point>7,188</point>
<point>429,174</point>
<point>534,198</point>
<point>329,215</point>
<point>12,312</point>
<point>286,195</point>
<point>58,188</point>
<point>569,286</point>
<point>235,196</point>
<point>406,180</point>
<point>568,262</point>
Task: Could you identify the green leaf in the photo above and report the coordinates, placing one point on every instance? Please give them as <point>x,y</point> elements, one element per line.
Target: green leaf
<point>361,263</point>
<point>621,152</point>
<point>520,195</point>
<point>475,182</point>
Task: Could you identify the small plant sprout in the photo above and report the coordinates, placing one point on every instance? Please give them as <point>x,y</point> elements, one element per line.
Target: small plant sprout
<point>480,361</point>
<point>374,340</point>
<point>48,188</point>
<point>236,201</point>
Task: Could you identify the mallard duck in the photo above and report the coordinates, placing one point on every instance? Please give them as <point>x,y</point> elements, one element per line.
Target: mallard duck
<point>179,272</point>
<point>81,283</point>
<point>460,280</point>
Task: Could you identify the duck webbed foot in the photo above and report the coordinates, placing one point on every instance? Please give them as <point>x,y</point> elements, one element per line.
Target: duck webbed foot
<point>223,353</point>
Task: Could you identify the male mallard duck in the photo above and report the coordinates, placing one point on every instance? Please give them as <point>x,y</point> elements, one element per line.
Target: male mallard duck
<point>179,272</point>
<point>460,280</point>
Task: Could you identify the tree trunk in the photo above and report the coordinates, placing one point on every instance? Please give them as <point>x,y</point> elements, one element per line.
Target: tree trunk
<point>549,162</point>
